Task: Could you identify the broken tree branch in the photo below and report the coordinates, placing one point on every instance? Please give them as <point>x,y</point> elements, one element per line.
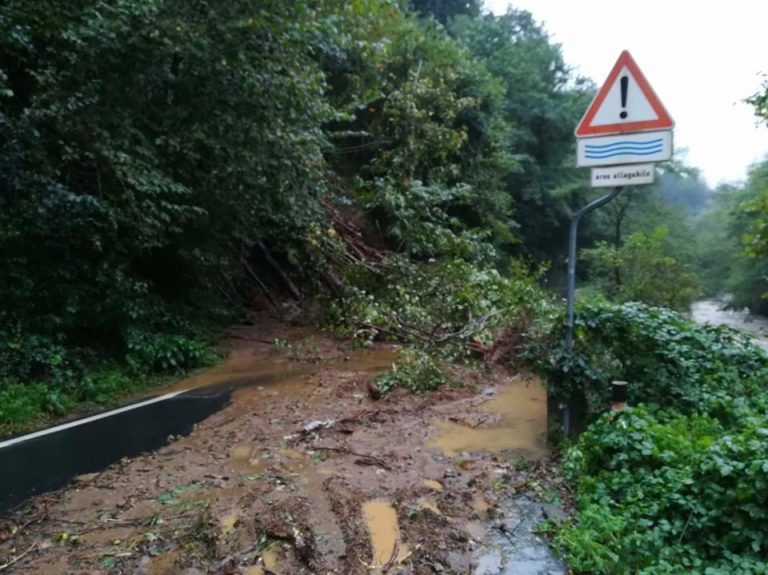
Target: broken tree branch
<point>260,283</point>
<point>18,557</point>
<point>380,462</point>
<point>294,291</point>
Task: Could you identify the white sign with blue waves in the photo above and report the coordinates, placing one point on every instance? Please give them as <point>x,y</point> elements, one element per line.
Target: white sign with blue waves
<point>624,149</point>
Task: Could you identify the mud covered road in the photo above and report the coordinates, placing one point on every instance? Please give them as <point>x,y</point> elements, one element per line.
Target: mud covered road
<point>304,473</point>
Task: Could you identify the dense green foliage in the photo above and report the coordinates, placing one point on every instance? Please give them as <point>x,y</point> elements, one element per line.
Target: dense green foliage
<point>446,10</point>
<point>543,101</point>
<point>415,371</point>
<point>151,150</point>
<point>670,494</point>
<point>677,484</point>
<point>670,362</point>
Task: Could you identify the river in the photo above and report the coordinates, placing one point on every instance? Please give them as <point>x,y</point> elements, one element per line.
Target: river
<point>711,311</point>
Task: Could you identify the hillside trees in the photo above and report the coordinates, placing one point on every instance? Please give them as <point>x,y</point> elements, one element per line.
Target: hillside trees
<point>145,147</point>
<point>543,100</point>
<point>148,148</point>
<point>420,151</point>
<point>646,248</point>
<point>734,257</point>
<point>445,10</point>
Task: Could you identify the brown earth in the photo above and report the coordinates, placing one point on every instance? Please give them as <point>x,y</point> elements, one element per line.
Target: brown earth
<point>301,473</point>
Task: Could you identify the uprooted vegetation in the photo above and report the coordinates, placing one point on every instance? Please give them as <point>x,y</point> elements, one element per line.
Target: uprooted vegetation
<point>310,151</point>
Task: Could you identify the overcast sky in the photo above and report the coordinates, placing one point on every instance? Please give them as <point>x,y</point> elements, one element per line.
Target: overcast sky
<point>702,59</point>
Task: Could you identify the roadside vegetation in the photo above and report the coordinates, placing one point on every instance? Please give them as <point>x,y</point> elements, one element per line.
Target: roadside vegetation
<point>676,482</point>
<point>165,166</point>
<point>398,171</point>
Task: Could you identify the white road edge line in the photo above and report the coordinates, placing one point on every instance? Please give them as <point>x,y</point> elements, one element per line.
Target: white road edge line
<point>63,426</point>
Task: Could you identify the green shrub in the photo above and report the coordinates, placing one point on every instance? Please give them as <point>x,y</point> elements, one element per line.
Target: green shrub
<point>31,403</point>
<point>162,353</point>
<point>25,356</point>
<point>19,403</point>
<point>682,494</point>
<point>415,371</point>
<point>669,361</point>
<point>648,272</point>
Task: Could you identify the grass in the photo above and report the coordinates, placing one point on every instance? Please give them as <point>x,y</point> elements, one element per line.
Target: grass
<point>25,407</point>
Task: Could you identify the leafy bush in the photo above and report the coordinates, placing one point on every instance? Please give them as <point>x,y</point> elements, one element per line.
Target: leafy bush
<point>669,495</point>
<point>678,483</point>
<point>160,353</point>
<point>669,361</point>
<point>447,306</point>
<point>19,403</point>
<point>27,357</point>
<point>647,272</point>
<point>416,371</point>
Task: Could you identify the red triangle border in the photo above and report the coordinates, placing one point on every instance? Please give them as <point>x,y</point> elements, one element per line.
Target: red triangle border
<point>663,122</point>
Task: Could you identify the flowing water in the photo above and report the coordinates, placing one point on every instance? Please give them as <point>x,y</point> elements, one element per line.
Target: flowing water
<point>712,312</point>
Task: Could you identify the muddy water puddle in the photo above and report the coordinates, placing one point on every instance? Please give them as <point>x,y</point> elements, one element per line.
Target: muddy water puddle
<point>384,530</point>
<point>517,413</point>
<point>243,370</point>
<point>227,522</point>
<point>433,484</point>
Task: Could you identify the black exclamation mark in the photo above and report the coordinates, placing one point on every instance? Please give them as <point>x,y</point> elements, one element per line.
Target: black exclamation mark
<point>624,86</point>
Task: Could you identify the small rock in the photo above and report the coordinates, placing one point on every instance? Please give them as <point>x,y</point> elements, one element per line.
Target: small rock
<point>489,391</point>
<point>553,512</point>
<point>317,424</point>
<point>373,391</point>
<point>85,478</point>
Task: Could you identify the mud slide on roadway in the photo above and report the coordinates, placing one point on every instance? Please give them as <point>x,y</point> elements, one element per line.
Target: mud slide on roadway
<point>301,472</point>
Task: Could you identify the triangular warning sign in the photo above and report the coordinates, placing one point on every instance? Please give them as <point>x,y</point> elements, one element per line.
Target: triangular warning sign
<point>626,103</point>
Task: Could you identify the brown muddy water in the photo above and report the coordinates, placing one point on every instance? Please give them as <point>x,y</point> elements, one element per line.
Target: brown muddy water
<point>384,531</point>
<point>43,461</point>
<point>518,417</point>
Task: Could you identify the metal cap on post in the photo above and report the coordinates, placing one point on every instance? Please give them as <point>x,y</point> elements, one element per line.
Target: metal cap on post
<point>619,394</point>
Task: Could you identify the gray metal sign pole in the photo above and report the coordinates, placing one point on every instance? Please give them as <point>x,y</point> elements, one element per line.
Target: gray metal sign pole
<point>565,409</point>
<point>572,245</point>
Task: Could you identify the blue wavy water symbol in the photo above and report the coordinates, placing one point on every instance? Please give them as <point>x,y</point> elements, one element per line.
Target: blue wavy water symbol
<point>623,148</point>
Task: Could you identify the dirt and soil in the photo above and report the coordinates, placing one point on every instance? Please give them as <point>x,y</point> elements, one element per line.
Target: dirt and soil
<point>303,472</point>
